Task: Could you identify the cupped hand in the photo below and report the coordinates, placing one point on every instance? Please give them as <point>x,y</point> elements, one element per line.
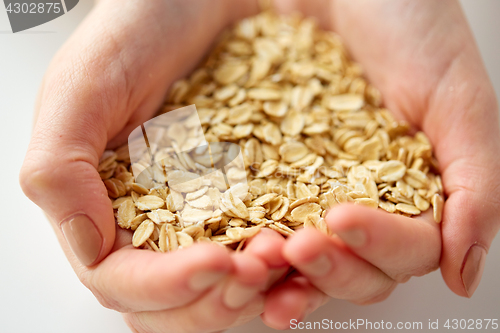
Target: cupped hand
<point>221,299</point>
<point>109,78</point>
<point>423,58</point>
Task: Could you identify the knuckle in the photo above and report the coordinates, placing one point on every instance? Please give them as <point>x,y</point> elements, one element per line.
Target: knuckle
<point>402,277</point>
<point>101,295</point>
<point>421,270</point>
<point>429,269</point>
<point>84,279</point>
<point>377,298</point>
<point>344,284</point>
<point>373,300</point>
<point>211,318</point>
<point>426,269</point>
<point>108,302</point>
<point>32,178</point>
<point>200,321</point>
<point>136,323</point>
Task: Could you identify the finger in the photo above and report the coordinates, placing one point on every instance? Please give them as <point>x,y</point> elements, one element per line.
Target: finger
<point>267,245</point>
<point>399,246</point>
<point>232,302</point>
<point>332,268</point>
<point>290,302</point>
<point>470,223</point>
<point>140,280</point>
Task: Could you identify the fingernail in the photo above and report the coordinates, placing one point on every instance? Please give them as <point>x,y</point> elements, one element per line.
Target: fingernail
<point>235,295</point>
<point>83,238</point>
<point>203,280</point>
<point>353,237</point>
<point>317,268</point>
<point>472,268</point>
<point>300,319</point>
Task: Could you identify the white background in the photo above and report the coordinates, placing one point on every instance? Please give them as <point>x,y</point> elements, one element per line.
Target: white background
<point>39,291</point>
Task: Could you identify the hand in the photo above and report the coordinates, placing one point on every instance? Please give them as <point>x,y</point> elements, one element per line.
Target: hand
<point>109,78</point>
<point>423,58</point>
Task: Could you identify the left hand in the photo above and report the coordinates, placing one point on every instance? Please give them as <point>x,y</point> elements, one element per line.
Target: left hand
<point>423,58</point>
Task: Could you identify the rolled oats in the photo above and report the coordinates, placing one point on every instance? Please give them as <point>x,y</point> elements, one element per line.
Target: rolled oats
<point>437,205</point>
<point>143,232</point>
<point>126,214</point>
<point>408,209</point>
<point>311,131</point>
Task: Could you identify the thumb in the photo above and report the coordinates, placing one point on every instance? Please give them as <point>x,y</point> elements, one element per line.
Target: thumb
<point>60,172</point>
<point>470,221</point>
<point>468,152</point>
<point>79,110</point>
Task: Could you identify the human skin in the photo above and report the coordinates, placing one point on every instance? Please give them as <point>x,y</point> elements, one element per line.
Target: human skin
<point>423,58</point>
<point>112,75</point>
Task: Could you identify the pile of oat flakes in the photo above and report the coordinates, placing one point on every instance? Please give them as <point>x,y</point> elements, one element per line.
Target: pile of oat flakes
<point>312,133</point>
